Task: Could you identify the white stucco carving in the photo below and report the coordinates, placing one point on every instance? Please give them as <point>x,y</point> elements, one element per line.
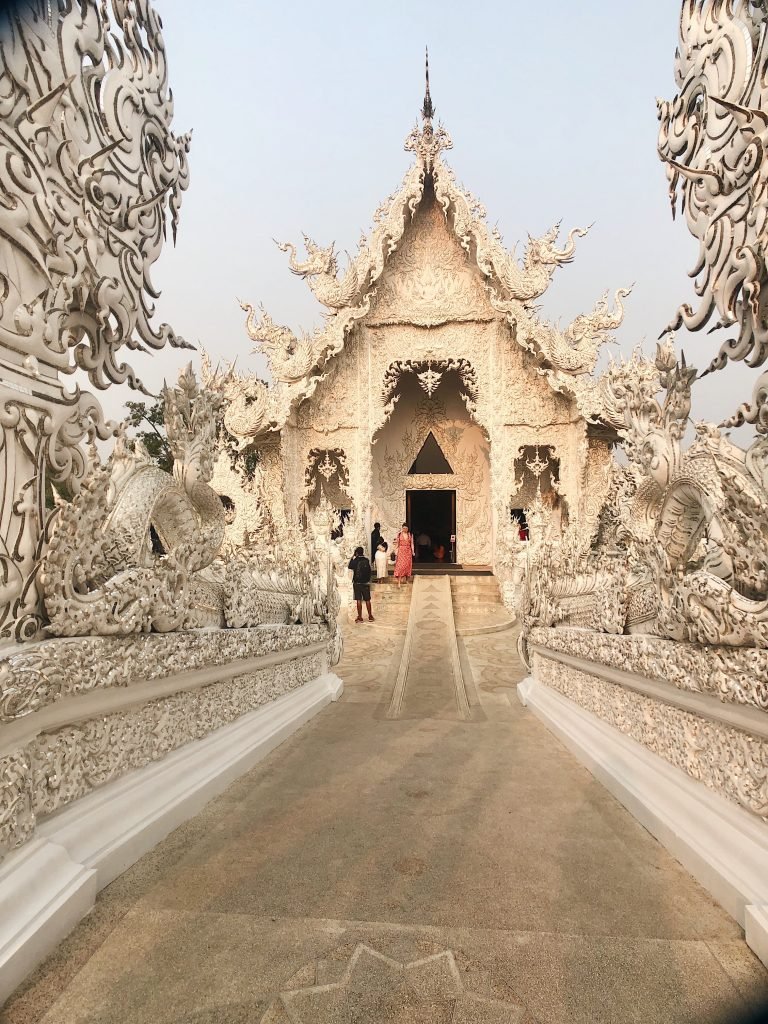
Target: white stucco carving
<point>132,571</point>
<point>90,171</point>
<point>713,138</point>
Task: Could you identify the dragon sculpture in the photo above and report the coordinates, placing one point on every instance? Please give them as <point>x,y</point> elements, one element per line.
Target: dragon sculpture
<point>713,137</point>
<point>126,554</point>
<point>251,408</point>
<point>290,358</point>
<point>686,556</point>
<point>91,174</point>
<point>575,349</point>
<point>528,280</point>
<point>139,549</point>
<point>321,270</point>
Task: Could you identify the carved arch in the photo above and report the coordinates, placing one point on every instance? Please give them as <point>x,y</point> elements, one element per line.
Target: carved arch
<point>429,373</point>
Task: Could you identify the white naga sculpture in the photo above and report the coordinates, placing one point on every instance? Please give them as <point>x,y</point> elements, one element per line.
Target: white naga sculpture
<point>682,548</point>
<point>100,574</point>
<point>115,578</point>
<point>713,140</point>
<point>89,169</point>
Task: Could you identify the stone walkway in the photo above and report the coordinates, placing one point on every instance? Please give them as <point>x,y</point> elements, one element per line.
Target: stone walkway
<point>430,681</point>
<point>424,868</point>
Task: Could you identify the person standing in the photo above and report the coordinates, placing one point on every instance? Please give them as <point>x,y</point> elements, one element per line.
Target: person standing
<point>361,583</point>
<point>376,539</point>
<point>380,561</point>
<point>404,559</point>
<point>424,542</point>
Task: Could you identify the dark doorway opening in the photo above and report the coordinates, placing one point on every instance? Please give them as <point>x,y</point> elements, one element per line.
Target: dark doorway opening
<point>432,519</point>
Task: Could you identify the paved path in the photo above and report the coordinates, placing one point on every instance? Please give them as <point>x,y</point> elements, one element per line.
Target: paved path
<point>423,868</point>
<point>430,681</point>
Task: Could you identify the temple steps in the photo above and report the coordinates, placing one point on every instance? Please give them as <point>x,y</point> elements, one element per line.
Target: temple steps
<point>477,606</point>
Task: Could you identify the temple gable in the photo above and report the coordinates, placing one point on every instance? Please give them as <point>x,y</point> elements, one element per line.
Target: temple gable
<point>430,279</point>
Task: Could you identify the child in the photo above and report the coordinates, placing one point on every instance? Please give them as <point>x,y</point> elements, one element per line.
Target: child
<point>361,583</point>
<point>381,561</point>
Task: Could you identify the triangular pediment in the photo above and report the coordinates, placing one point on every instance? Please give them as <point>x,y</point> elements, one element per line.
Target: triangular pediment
<point>430,279</point>
<point>431,459</point>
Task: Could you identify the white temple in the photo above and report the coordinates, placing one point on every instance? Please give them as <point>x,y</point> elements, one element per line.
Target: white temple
<point>432,338</point>
<point>162,632</point>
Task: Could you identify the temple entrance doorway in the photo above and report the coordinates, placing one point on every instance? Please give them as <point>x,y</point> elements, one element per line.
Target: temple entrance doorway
<point>431,516</point>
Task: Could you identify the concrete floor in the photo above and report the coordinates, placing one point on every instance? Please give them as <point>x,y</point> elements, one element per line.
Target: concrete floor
<point>422,869</point>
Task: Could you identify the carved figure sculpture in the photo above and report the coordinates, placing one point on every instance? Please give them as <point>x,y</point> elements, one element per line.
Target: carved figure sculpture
<point>103,573</point>
<point>89,168</point>
<point>320,271</point>
<point>713,138</point>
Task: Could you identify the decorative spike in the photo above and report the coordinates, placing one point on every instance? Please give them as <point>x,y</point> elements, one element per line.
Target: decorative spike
<point>427,107</point>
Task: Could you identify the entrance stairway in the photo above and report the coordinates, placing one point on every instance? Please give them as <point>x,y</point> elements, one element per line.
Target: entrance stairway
<point>477,606</point>
<point>416,654</point>
<point>391,604</point>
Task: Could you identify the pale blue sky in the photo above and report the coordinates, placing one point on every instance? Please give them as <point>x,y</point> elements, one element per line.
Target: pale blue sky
<point>299,112</point>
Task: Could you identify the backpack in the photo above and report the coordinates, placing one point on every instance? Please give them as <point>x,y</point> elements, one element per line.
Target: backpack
<point>361,572</point>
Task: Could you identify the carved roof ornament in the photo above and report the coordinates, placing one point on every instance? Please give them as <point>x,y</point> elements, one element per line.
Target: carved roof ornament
<point>537,465</point>
<point>326,467</point>
<point>427,107</point>
<point>427,142</point>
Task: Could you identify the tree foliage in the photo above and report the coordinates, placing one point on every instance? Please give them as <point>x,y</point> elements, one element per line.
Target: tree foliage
<point>148,422</point>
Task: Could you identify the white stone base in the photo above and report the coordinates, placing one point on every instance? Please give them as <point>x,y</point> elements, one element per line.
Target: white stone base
<point>723,847</point>
<point>50,884</point>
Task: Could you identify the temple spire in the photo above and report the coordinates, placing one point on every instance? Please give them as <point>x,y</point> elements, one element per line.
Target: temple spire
<point>427,142</point>
<point>427,107</point>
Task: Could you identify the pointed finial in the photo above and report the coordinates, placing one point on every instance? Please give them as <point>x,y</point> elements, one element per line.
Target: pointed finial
<point>428,107</point>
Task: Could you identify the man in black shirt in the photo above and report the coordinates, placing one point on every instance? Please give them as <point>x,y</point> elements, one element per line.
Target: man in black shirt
<point>361,583</point>
<point>376,539</point>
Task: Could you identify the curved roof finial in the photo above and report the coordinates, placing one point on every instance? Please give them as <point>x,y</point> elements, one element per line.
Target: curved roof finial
<point>427,107</point>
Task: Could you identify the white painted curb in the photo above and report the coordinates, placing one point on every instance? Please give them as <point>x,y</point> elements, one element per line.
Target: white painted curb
<point>724,847</point>
<point>50,884</point>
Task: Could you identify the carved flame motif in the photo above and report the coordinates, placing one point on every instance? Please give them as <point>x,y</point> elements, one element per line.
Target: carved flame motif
<point>713,138</point>
<point>91,133</point>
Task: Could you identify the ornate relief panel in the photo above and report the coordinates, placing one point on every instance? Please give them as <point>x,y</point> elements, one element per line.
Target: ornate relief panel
<point>731,762</point>
<point>327,475</point>
<point>523,395</point>
<point>430,278</point>
<point>468,343</point>
<point>335,401</point>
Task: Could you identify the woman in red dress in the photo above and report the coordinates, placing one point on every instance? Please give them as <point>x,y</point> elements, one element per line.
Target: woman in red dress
<point>404,560</point>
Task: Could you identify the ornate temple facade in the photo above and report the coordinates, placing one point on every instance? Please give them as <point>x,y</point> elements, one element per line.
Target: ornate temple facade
<point>433,393</point>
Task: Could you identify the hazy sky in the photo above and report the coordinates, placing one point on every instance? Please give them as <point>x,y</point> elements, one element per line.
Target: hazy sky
<point>299,113</point>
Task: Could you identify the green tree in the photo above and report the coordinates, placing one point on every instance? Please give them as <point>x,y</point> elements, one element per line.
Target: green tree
<point>148,424</point>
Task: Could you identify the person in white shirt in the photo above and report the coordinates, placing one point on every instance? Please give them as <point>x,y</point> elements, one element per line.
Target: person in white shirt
<point>424,544</point>
<point>380,560</point>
